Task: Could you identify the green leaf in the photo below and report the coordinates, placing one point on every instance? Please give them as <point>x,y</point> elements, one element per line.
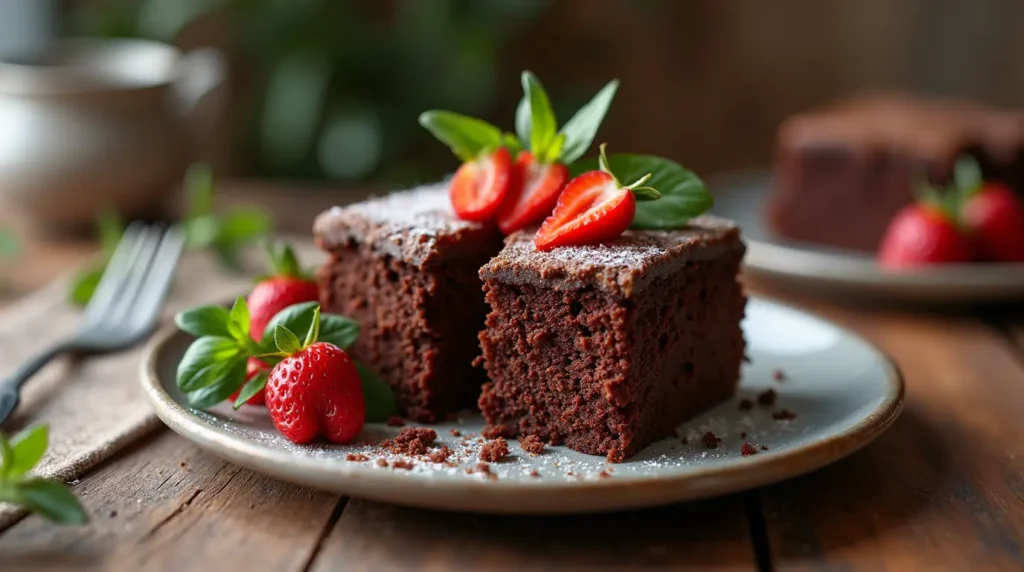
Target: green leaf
<point>204,321</point>
<point>338,330</point>
<point>379,397</point>
<point>524,123</point>
<point>580,130</point>
<point>204,362</point>
<point>201,231</point>
<point>6,457</point>
<point>683,195</point>
<point>967,174</point>
<point>251,388</point>
<point>646,194</point>
<point>284,262</point>
<point>543,124</point>
<point>228,379</point>
<point>84,284</point>
<point>553,150</point>
<point>51,500</point>
<point>199,191</point>
<point>29,446</point>
<point>511,143</point>
<point>243,225</point>
<point>238,321</point>
<point>286,341</point>
<point>314,329</point>
<point>110,228</point>
<point>296,318</point>
<point>466,136</point>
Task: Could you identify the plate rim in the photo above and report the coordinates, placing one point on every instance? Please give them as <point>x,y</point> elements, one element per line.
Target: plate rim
<point>496,497</point>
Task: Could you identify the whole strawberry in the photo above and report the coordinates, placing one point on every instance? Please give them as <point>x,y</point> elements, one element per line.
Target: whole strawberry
<point>994,215</point>
<point>314,390</point>
<point>922,234</point>
<point>285,286</point>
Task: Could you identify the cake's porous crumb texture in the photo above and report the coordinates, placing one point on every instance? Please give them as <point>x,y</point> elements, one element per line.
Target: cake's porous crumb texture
<point>532,444</point>
<point>411,441</point>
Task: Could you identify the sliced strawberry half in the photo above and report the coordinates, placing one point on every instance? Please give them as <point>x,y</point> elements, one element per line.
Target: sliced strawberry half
<point>592,209</point>
<point>533,193</point>
<point>480,186</point>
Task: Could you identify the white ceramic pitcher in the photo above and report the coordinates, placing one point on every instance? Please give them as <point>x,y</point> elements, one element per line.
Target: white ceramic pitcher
<point>95,124</point>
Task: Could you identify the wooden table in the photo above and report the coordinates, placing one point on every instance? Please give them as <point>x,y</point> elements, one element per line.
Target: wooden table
<point>943,489</point>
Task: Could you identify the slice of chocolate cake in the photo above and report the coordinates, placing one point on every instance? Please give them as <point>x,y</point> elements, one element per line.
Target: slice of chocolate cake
<point>405,268</point>
<point>608,348</point>
<point>844,171</point>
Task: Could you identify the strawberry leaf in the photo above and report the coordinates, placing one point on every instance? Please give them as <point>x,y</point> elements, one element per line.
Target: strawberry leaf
<point>52,500</point>
<point>314,329</point>
<point>204,321</point>
<point>286,341</point>
<point>204,362</point>
<point>645,194</point>
<point>238,321</point>
<point>28,448</point>
<point>580,130</point>
<point>543,124</point>
<point>379,397</point>
<point>227,378</point>
<point>967,175</point>
<point>251,388</point>
<point>467,137</point>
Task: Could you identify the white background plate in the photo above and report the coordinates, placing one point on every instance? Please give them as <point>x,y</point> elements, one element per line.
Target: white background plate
<point>843,390</point>
<point>742,196</point>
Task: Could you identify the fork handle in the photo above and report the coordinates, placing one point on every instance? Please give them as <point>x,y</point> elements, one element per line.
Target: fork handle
<point>11,386</point>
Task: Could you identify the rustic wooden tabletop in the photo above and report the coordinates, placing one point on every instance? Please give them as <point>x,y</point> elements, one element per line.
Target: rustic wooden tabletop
<point>943,489</point>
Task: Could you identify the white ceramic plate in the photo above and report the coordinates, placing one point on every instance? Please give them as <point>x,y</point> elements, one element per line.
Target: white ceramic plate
<point>844,393</point>
<point>741,197</point>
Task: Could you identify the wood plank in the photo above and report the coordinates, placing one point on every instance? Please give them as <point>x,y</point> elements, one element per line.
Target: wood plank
<point>166,505</point>
<point>709,535</point>
<point>944,488</point>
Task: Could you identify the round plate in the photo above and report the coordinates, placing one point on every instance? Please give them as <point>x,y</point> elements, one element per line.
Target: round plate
<point>843,391</point>
<point>741,197</point>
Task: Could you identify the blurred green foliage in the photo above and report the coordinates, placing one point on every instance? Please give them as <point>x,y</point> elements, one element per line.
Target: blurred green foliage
<point>336,85</point>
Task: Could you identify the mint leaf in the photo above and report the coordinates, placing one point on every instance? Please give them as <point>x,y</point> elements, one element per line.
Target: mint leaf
<point>683,194</point>
<point>52,500</point>
<point>466,136</point>
<point>580,130</point>
<point>84,284</point>
<point>204,321</point>
<point>554,149</point>
<point>28,449</point>
<point>242,225</point>
<point>110,228</point>
<point>227,378</point>
<point>201,231</point>
<point>524,123</point>
<point>204,362</point>
<point>6,457</point>
<point>286,341</point>
<point>338,330</point>
<point>296,318</point>
<point>314,329</point>
<point>238,321</point>
<point>379,397</point>
<point>251,388</point>
<point>199,190</point>
<point>543,124</point>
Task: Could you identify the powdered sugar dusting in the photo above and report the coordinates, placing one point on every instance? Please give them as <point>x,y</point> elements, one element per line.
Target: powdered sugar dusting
<point>424,210</point>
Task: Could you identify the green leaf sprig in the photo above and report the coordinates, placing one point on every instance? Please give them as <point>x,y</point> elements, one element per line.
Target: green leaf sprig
<point>214,365</point>
<point>967,181</point>
<point>51,499</point>
<point>221,233</point>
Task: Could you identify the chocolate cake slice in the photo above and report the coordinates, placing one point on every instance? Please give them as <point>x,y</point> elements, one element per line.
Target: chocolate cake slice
<point>405,267</point>
<point>608,348</point>
<point>843,172</point>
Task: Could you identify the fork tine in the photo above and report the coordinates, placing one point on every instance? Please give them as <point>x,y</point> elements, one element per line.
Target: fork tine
<point>148,306</point>
<point>137,271</point>
<point>114,276</point>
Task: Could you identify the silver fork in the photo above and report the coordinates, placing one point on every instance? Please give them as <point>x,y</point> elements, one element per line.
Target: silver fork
<point>123,309</point>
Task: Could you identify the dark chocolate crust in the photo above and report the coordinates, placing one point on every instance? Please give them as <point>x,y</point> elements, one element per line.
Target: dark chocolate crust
<point>406,269</point>
<point>844,171</point>
<point>577,354</point>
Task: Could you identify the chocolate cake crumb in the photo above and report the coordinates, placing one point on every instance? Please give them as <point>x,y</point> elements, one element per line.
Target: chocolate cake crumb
<point>710,440</point>
<point>778,375</point>
<point>357,457</point>
<point>746,404</point>
<point>603,475</point>
<point>764,447</point>
<point>783,415</point>
<point>181,464</point>
<point>113,513</point>
<point>495,431</point>
<point>395,421</point>
<point>494,451</point>
<point>743,435</point>
<point>532,444</point>
<point>455,432</point>
<point>767,397</point>
<point>571,474</point>
<point>441,455</point>
<point>382,463</point>
<point>534,473</point>
<point>402,464</point>
<point>411,441</point>
<point>747,449</point>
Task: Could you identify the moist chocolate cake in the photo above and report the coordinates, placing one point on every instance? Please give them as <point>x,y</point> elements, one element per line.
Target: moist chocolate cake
<point>405,267</point>
<point>608,348</point>
<point>842,172</point>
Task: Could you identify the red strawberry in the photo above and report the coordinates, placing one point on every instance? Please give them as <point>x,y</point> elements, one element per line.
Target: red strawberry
<point>286,286</point>
<point>532,194</point>
<point>594,208</point>
<point>480,186</point>
<point>252,367</point>
<point>316,392</point>
<point>995,218</point>
<point>922,234</point>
